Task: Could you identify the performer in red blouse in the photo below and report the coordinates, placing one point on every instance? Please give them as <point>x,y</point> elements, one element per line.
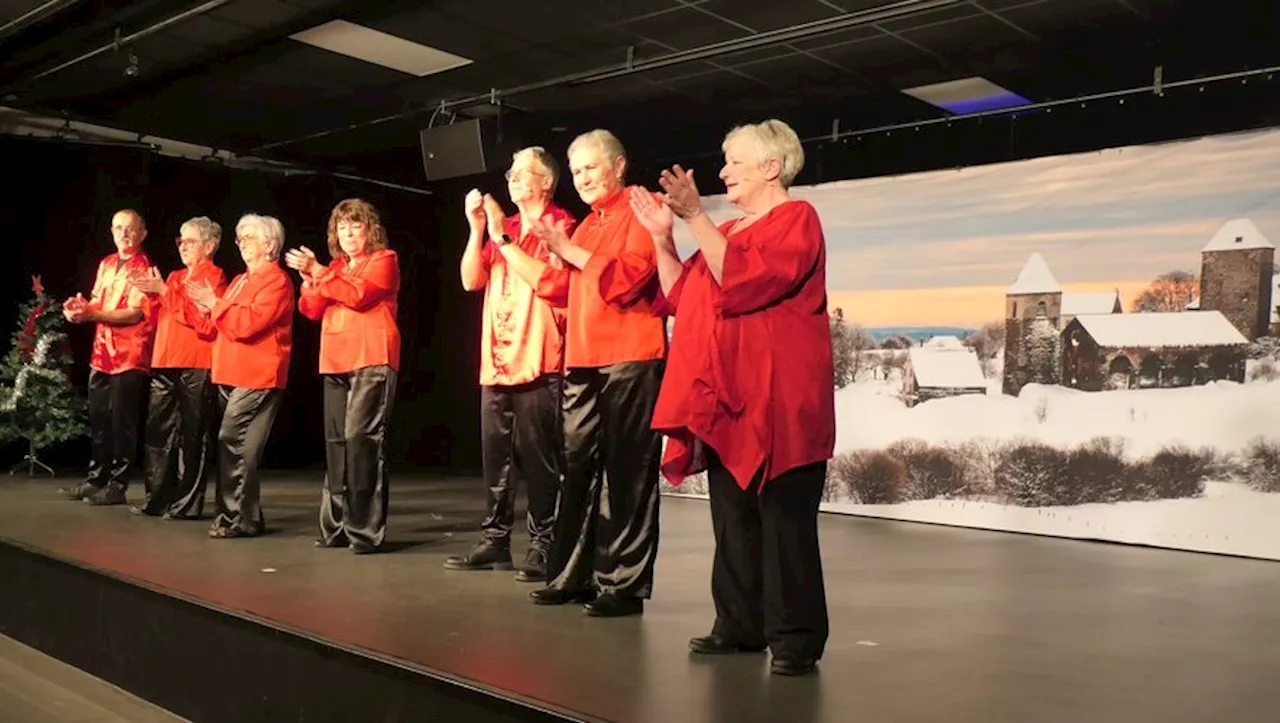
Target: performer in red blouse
<point>355,300</point>
<point>748,394</point>
<point>254,326</point>
<point>521,362</point>
<point>605,542</point>
<point>120,363</point>
<point>181,450</point>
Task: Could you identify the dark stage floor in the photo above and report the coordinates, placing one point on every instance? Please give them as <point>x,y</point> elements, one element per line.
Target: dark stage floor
<point>929,623</point>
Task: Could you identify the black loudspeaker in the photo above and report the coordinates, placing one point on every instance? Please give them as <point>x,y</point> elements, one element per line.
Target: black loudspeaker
<point>470,146</point>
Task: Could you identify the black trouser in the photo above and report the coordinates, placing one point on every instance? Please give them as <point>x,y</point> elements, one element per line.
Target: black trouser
<point>247,416</point>
<point>115,410</point>
<point>766,577</point>
<point>357,412</point>
<point>606,532</point>
<point>520,438</point>
<point>181,449</point>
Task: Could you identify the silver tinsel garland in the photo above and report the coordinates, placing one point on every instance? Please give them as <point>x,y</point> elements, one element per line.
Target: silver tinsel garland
<point>35,366</point>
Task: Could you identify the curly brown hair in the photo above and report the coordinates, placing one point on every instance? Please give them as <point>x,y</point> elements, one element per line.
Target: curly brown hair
<point>360,211</point>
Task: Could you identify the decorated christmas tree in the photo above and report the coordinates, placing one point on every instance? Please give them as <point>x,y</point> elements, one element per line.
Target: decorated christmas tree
<point>37,402</point>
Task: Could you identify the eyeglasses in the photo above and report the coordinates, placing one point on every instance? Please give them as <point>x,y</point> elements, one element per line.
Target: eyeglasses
<point>520,175</point>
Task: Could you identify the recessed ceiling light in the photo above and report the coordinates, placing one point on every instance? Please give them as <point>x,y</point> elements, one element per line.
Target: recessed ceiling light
<point>967,95</point>
<point>379,48</point>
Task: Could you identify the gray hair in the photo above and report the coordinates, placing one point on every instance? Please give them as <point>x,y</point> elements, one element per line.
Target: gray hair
<point>607,142</point>
<point>772,139</point>
<point>269,227</point>
<point>204,228</point>
<point>542,158</point>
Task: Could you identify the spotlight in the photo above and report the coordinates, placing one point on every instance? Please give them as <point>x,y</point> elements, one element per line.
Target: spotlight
<point>131,70</point>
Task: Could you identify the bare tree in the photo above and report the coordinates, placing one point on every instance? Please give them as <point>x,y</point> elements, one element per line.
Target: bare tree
<point>1171,291</point>
<point>987,341</point>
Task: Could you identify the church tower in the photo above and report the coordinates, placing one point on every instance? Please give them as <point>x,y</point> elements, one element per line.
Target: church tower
<point>1032,325</point>
<point>1236,277</point>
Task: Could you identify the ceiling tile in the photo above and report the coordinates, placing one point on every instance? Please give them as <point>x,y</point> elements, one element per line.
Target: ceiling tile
<point>761,16</point>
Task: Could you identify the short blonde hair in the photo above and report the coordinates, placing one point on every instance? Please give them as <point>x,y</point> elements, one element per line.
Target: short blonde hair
<point>607,142</point>
<point>270,228</point>
<point>204,228</point>
<point>539,155</point>
<point>772,139</point>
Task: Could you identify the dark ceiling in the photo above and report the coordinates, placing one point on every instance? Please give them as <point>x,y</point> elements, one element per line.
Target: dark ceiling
<point>226,74</point>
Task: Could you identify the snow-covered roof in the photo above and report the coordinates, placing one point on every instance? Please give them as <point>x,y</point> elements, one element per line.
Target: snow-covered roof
<point>1238,233</point>
<point>1194,304</point>
<point>1076,304</point>
<point>1163,329</point>
<point>1036,278</point>
<point>936,368</point>
<point>944,341</point>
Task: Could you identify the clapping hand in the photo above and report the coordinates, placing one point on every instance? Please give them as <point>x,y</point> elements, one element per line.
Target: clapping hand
<point>149,282</point>
<point>73,309</point>
<point>495,216</point>
<point>473,204</point>
<point>554,236</point>
<point>681,192</point>
<point>302,260</point>
<point>202,295</point>
<point>657,218</point>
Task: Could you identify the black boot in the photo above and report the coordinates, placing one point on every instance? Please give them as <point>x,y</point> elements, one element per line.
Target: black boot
<point>534,568</point>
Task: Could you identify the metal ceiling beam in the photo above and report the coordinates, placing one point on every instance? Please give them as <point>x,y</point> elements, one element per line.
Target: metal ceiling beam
<point>34,16</point>
<point>903,8</point>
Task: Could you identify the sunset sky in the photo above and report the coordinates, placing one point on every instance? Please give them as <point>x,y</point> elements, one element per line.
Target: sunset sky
<point>940,248</point>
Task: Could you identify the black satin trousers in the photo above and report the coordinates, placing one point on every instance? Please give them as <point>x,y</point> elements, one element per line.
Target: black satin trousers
<point>766,576</point>
<point>606,532</point>
<point>520,439</point>
<point>116,403</point>
<point>247,416</point>
<point>357,492</point>
<point>181,448</point>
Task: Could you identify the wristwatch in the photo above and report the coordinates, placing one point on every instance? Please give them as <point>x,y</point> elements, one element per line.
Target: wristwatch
<point>502,240</point>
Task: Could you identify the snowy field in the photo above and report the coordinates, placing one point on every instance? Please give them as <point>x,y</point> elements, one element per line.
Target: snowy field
<point>1229,517</point>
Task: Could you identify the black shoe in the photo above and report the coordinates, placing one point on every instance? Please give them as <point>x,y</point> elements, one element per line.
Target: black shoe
<point>485,556</point>
<point>82,491</point>
<point>534,568</point>
<point>715,645</point>
<point>793,666</point>
<point>338,541</point>
<point>363,548</point>
<point>109,495</point>
<point>612,606</point>
<point>554,596</point>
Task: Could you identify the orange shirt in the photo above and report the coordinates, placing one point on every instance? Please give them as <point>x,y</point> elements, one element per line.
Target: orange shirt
<point>610,316</point>
<point>254,326</point>
<point>356,306</point>
<point>522,335</point>
<point>178,344</point>
<point>119,349</point>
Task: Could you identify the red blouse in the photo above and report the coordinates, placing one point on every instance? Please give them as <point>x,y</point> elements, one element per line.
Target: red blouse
<point>178,344</point>
<point>358,305</point>
<point>610,315</point>
<point>750,369</point>
<point>254,326</point>
<point>118,349</point>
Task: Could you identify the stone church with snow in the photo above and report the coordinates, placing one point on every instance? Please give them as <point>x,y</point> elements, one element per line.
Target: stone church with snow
<point>1088,342</point>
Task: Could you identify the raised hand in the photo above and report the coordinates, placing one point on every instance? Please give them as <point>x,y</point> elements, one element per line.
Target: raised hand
<point>681,192</point>
<point>148,283</point>
<point>302,260</point>
<point>202,295</point>
<point>473,204</point>
<point>553,236</point>
<point>494,215</point>
<point>657,218</point>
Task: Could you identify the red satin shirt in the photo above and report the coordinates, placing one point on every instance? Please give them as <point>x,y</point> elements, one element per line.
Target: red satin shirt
<point>522,335</point>
<point>356,306</point>
<point>178,344</point>
<point>253,321</point>
<point>750,371</point>
<point>610,315</point>
<point>119,349</point>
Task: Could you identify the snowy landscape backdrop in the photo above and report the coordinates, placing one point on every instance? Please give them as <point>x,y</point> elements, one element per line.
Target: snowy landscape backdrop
<point>1081,346</point>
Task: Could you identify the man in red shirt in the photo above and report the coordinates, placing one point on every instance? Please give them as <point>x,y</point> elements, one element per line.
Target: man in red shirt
<point>521,362</point>
<point>120,363</point>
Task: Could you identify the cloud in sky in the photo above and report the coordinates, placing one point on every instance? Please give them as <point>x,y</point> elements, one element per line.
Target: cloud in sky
<point>1103,219</point>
